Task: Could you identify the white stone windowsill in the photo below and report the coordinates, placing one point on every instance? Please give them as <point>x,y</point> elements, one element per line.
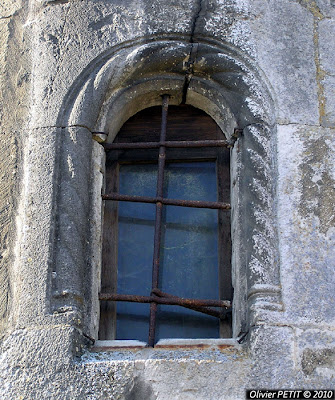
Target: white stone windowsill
<point>206,344</point>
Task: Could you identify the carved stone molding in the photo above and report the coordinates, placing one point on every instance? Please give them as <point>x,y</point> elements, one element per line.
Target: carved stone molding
<point>221,81</point>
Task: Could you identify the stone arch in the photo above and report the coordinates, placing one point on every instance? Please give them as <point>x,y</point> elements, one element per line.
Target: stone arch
<point>225,79</point>
<point>220,80</point>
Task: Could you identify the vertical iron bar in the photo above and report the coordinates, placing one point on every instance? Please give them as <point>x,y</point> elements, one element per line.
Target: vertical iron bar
<point>158,220</point>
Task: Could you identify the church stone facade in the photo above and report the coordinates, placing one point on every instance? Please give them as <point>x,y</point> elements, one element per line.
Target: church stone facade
<point>71,68</point>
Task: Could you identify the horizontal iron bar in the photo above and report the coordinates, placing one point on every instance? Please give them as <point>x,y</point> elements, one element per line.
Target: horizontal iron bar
<point>171,144</point>
<point>205,310</point>
<point>172,301</point>
<point>168,202</point>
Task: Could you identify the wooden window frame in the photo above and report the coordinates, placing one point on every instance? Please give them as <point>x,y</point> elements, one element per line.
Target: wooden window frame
<point>108,296</point>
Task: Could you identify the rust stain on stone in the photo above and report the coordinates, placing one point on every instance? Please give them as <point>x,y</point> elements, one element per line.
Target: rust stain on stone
<point>100,349</point>
<point>183,346</point>
<point>224,346</point>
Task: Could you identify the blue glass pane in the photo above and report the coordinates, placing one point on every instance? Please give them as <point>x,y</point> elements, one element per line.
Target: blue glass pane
<point>189,253</point>
<point>135,249</point>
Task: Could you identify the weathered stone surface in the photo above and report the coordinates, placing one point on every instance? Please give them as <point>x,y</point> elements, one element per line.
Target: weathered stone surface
<point>307,222</point>
<point>41,364</point>
<point>35,215</point>
<point>8,188</point>
<point>327,71</point>
<point>68,36</point>
<point>194,375</point>
<point>9,7</point>
<point>327,46</point>
<point>227,21</point>
<point>328,110</point>
<point>272,346</point>
<point>287,61</point>
<point>68,67</point>
<point>326,7</point>
<point>316,356</point>
<point>146,374</point>
<point>282,33</point>
<point>14,87</point>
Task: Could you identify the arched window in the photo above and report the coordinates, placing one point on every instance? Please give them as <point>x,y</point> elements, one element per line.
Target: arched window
<point>166,245</point>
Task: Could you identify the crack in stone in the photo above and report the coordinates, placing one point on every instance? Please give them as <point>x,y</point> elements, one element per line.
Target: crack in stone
<point>63,127</point>
<point>189,70</point>
<point>193,54</point>
<point>320,73</point>
<point>195,20</point>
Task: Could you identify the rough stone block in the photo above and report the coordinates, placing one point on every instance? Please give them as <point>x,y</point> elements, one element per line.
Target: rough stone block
<point>326,32</point>
<point>225,20</point>
<point>39,363</point>
<point>316,357</point>
<point>272,355</point>
<point>306,159</point>
<point>328,110</point>
<point>326,7</point>
<point>180,373</point>
<point>9,151</point>
<point>35,224</point>
<point>282,32</point>
<point>327,71</point>
<point>9,7</point>
<point>68,36</point>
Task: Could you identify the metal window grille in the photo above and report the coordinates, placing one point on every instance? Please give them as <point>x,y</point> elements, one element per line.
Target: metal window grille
<point>216,308</point>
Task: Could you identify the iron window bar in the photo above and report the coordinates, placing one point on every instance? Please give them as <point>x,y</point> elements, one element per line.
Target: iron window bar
<point>170,144</point>
<point>157,296</point>
<point>168,202</point>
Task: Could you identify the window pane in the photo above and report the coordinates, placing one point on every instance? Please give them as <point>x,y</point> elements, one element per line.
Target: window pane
<point>135,249</point>
<point>189,253</point>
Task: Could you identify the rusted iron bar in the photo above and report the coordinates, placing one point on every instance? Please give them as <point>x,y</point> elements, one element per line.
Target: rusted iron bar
<point>158,220</point>
<point>168,202</point>
<point>205,310</point>
<point>172,301</point>
<point>170,144</point>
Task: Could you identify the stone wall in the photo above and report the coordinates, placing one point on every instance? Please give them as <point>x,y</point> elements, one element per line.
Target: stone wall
<point>71,67</point>
<point>15,75</point>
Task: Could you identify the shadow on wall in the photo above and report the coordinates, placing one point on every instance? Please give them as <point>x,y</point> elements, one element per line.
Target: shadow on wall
<point>141,390</point>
